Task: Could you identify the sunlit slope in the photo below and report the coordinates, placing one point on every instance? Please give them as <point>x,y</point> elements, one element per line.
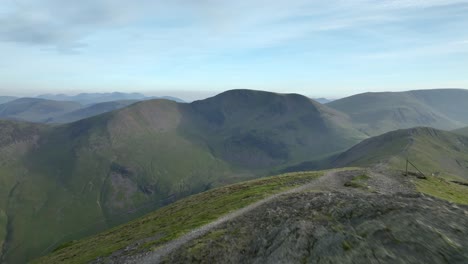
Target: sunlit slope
<point>431,150</point>
<point>377,113</point>
<point>176,219</point>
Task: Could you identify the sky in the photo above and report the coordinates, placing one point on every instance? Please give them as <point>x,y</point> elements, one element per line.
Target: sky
<point>194,49</point>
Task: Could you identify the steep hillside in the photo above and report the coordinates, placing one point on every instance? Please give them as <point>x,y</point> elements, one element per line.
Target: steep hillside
<point>263,130</point>
<point>35,110</point>
<point>160,226</point>
<point>377,113</point>
<point>92,174</point>
<point>340,216</point>
<point>431,150</point>
<point>16,139</point>
<point>450,102</point>
<point>91,110</point>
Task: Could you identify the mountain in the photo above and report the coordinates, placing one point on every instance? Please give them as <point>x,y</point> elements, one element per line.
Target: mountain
<point>6,99</point>
<point>322,100</point>
<point>172,98</point>
<point>377,113</point>
<point>94,98</point>
<point>86,176</point>
<point>52,111</point>
<point>461,131</point>
<point>92,110</point>
<point>431,150</point>
<point>36,110</point>
<point>262,130</point>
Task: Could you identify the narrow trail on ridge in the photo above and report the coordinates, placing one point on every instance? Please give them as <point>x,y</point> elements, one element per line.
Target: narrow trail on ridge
<point>331,181</point>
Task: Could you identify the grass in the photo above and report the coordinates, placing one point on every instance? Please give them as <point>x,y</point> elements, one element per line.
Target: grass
<point>177,219</point>
<point>443,189</point>
<point>358,182</point>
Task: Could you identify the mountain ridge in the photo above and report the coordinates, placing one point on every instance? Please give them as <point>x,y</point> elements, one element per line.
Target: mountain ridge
<point>380,112</point>
<point>152,153</point>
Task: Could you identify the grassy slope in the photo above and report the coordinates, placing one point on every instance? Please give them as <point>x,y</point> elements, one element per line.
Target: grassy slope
<point>15,140</point>
<point>35,110</point>
<point>83,177</point>
<point>377,113</point>
<point>98,172</point>
<point>177,219</point>
<point>430,149</point>
<point>450,102</point>
<point>435,152</point>
<point>461,131</point>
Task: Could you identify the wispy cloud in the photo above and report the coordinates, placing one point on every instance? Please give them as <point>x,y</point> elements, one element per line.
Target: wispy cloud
<point>154,42</point>
<point>66,23</point>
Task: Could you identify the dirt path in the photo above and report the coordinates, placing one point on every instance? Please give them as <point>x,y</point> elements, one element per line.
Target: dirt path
<point>330,181</point>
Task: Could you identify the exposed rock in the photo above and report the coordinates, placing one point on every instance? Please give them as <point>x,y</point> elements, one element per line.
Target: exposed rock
<point>337,227</point>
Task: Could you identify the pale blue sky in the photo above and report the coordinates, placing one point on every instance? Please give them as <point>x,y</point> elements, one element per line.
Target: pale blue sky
<point>191,48</point>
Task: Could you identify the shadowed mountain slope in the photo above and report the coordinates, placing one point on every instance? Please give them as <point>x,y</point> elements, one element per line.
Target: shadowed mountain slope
<point>259,129</point>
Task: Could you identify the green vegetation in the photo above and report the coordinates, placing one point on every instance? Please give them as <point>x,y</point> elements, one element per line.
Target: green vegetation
<point>88,176</point>
<point>377,113</point>
<point>461,131</point>
<point>443,189</point>
<point>84,177</point>
<point>432,151</point>
<point>177,219</point>
<point>346,245</point>
<point>358,182</point>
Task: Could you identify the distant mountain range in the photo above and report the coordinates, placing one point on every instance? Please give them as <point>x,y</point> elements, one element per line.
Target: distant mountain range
<point>94,98</point>
<point>377,113</point>
<point>64,108</point>
<point>323,100</point>
<point>122,159</point>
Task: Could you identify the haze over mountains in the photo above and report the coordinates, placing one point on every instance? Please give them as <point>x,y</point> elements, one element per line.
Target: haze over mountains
<point>377,113</point>
<point>125,158</point>
<point>49,108</point>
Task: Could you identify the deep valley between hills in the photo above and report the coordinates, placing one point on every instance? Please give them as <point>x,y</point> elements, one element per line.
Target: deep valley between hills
<point>124,185</point>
